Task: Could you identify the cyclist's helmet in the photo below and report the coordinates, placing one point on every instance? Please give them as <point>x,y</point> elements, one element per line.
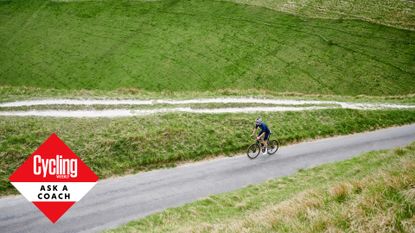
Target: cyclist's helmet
<point>258,121</point>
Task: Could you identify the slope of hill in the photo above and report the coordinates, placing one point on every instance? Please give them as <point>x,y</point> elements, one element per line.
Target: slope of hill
<point>198,46</point>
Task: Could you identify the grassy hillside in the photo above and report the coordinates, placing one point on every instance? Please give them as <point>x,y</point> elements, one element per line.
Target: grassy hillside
<point>198,45</point>
<point>389,12</point>
<point>372,193</point>
<point>127,145</point>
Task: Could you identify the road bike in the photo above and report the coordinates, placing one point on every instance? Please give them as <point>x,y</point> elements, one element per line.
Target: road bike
<point>258,146</point>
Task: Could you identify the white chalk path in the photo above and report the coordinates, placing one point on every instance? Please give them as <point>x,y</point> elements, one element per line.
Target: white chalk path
<point>247,100</point>
<point>291,105</point>
<point>111,113</point>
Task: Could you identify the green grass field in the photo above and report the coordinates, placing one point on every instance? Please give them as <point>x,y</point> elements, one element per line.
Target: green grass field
<point>127,145</point>
<point>176,46</point>
<point>372,193</point>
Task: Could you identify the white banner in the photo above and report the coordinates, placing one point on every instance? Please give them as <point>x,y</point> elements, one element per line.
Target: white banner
<point>53,191</point>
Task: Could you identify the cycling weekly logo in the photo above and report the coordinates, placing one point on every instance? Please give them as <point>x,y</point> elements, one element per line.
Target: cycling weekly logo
<point>53,178</point>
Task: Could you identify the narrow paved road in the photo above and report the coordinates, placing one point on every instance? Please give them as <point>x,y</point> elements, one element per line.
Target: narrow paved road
<point>116,201</point>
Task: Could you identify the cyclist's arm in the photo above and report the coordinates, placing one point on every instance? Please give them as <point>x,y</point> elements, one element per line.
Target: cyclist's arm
<point>254,131</point>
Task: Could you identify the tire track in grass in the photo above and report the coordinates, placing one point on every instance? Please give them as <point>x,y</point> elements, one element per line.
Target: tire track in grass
<point>270,24</point>
<point>113,113</point>
<point>288,105</point>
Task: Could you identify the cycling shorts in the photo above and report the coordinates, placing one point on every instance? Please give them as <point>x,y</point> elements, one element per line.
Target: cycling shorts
<point>266,134</point>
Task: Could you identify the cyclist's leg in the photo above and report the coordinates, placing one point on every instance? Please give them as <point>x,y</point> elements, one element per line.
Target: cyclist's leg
<point>261,139</point>
<point>266,138</point>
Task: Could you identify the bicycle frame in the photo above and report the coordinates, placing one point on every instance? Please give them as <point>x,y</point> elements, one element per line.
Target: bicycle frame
<point>261,142</point>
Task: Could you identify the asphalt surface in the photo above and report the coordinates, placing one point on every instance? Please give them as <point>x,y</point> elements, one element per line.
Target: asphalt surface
<point>116,201</point>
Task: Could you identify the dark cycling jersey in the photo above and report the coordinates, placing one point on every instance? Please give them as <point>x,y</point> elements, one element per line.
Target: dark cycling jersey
<point>263,127</point>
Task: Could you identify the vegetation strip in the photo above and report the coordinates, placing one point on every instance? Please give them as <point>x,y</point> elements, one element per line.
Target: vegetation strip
<point>121,146</point>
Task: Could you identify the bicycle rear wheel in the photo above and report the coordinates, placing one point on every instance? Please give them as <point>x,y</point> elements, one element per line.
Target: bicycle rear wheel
<point>253,151</point>
<point>273,147</point>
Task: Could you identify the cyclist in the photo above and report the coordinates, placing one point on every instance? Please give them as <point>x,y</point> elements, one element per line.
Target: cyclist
<point>265,132</point>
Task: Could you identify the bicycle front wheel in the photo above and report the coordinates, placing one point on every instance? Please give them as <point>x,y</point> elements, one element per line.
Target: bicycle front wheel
<point>253,151</point>
<point>273,147</point>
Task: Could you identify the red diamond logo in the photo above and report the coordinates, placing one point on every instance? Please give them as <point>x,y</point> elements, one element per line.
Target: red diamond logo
<point>53,178</point>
